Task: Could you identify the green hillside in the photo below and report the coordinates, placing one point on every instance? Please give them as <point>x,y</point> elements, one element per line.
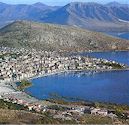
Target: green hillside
<point>57,37</point>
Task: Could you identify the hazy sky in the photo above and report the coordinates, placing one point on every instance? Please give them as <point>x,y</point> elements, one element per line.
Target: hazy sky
<point>58,2</point>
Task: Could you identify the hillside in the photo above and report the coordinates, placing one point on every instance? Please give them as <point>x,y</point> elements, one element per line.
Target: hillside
<point>57,37</point>
<point>17,114</point>
<point>8,116</point>
<point>24,117</point>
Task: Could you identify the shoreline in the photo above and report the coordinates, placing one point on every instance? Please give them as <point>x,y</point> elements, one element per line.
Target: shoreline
<point>12,85</point>
<point>69,71</point>
<point>97,51</point>
<point>63,71</point>
<point>14,90</point>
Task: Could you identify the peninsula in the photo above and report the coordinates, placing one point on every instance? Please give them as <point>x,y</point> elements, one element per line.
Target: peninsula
<point>20,64</point>
<point>30,50</point>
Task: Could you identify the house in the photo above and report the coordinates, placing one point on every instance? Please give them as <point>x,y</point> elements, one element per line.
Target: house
<point>37,109</point>
<point>44,110</point>
<point>94,111</point>
<point>111,115</point>
<point>127,114</point>
<point>103,112</point>
<point>98,111</point>
<point>19,101</point>
<point>30,108</point>
<point>87,111</point>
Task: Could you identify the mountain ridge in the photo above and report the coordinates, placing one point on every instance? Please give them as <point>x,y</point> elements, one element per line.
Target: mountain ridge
<point>114,3</point>
<point>91,15</point>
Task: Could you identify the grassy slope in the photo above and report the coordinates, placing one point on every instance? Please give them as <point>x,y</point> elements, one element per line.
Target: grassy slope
<point>17,114</point>
<point>20,117</point>
<point>57,37</point>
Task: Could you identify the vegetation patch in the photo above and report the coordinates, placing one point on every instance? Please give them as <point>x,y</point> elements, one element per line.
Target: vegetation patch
<point>24,84</point>
<point>113,65</point>
<point>10,105</point>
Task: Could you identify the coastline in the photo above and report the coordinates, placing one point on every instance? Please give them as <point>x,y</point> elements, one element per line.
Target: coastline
<point>64,71</point>
<point>69,71</point>
<point>97,51</point>
<point>13,87</point>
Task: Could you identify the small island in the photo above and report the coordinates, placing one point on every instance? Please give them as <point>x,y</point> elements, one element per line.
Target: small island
<point>24,84</point>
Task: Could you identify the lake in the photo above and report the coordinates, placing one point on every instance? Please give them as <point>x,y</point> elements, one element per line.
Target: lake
<point>123,35</point>
<point>112,86</point>
<point>120,56</point>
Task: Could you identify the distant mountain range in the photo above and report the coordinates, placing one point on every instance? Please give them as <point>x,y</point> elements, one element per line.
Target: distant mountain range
<point>23,11</point>
<point>110,17</point>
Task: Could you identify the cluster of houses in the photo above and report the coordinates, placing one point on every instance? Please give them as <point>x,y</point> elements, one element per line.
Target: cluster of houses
<point>57,111</point>
<point>25,100</point>
<point>65,112</point>
<point>16,65</point>
<point>74,112</point>
<point>33,104</point>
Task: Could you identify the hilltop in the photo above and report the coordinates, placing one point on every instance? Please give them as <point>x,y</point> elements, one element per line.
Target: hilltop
<point>57,37</point>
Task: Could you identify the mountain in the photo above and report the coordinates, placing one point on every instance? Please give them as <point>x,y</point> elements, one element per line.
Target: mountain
<point>57,37</point>
<point>116,4</point>
<point>45,7</point>
<point>41,6</point>
<point>23,12</point>
<point>111,17</point>
<point>84,11</point>
<point>92,16</point>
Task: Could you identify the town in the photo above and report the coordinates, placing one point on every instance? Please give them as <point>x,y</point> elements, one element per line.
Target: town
<point>23,64</point>
<point>20,64</point>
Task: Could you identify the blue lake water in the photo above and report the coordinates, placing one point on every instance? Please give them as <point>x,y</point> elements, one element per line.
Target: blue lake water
<point>123,35</point>
<point>120,56</point>
<point>110,86</point>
